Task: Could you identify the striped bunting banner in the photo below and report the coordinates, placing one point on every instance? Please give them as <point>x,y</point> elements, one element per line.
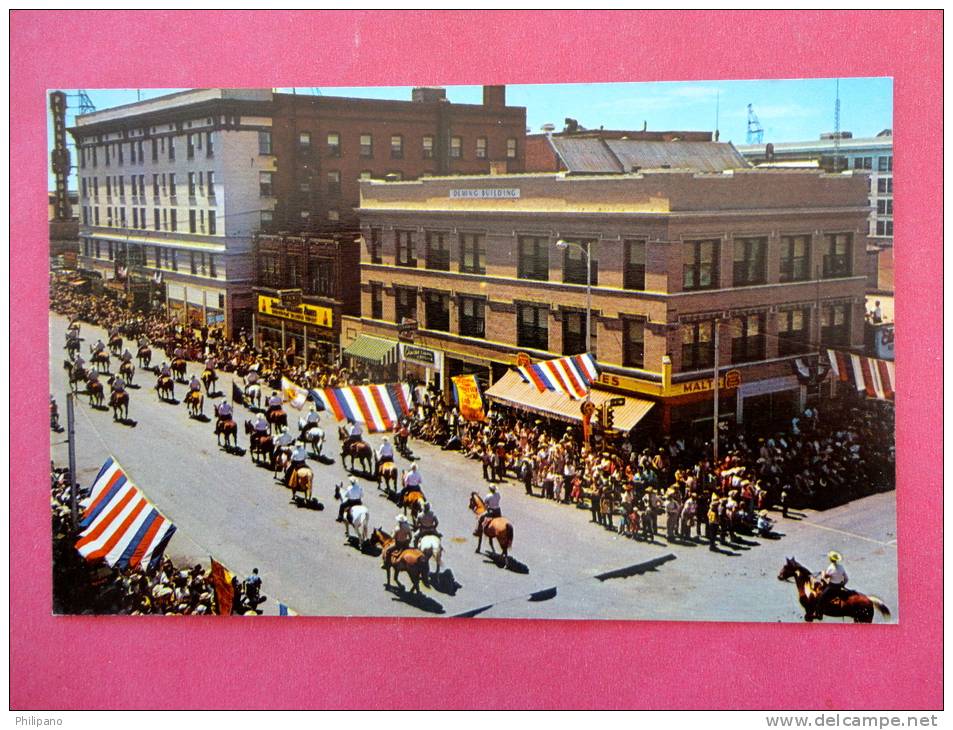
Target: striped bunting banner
<point>119,524</point>
<point>377,406</point>
<point>570,375</point>
<point>875,378</point>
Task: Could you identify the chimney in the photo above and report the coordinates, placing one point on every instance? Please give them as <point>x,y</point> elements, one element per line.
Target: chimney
<point>494,96</point>
<point>498,167</point>
<point>769,152</point>
<point>428,94</point>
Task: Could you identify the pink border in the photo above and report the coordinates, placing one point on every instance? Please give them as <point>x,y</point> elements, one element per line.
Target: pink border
<point>124,664</point>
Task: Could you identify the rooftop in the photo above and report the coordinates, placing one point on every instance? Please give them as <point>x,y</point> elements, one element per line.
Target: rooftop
<point>595,155</point>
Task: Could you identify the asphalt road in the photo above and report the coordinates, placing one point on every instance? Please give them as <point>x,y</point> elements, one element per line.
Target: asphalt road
<point>226,507</point>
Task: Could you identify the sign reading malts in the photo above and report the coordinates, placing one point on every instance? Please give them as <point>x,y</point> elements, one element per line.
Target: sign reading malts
<point>731,379</point>
<point>483,193</point>
<point>307,313</point>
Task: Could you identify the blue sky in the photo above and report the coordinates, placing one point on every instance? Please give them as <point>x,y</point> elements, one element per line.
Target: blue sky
<point>789,110</point>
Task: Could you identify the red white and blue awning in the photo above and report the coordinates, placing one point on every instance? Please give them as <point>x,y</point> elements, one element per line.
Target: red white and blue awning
<point>876,378</point>
<point>571,375</point>
<point>121,526</point>
<point>377,406</point>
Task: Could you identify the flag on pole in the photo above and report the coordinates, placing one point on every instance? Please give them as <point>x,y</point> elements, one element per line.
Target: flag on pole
<point>294,394</point>
<point>571,375</point>
<point>221,579</point>
<point>237,395</point>
<point>377,406</point>
<point>120,525</point>
<point>283,610</point>
<point>466,392</point>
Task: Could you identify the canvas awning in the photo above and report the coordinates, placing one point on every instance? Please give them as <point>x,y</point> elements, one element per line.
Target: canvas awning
<point>512,390</point>
<point>374,350</point>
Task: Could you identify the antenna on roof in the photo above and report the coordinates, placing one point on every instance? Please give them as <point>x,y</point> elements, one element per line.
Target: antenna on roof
<point>717,99</point>
<point>837,119</point>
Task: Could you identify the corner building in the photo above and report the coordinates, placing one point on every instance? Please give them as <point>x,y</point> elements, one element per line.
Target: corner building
<point>774,258</point>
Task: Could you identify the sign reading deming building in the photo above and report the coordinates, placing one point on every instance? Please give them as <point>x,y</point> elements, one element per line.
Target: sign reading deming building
<point>483,193</point>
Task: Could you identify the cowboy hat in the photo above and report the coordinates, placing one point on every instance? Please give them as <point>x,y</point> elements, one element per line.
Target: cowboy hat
<point>834,556</point>
<point>492,487</point>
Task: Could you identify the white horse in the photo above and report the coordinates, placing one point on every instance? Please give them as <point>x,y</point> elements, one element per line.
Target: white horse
<point>313,436</point>
<point>430,546</point>
<point>253,394</point>
<point>358,517</point>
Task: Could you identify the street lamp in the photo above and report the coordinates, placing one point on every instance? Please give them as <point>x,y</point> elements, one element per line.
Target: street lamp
<point>562,245</point>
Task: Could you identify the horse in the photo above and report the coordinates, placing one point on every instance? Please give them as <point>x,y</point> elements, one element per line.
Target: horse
<point>357,517</point>
<point>195,402</point>
<point>95,390</point>
<point>178,369</point>
<point>119,402</point>
<point>280,459</point>
<point>77,375</point>
<point>127,370</point>
<point>413,502</point>
<point>72,346</point>
<point>165,387</point>
<point>409,560</point>
<point>499,528</point>
<point>228,428</point>
<point>388,474</point>
<point>357,450</point>
<point>253,395</point>
<point>209,379</point>
<point>850,604</point>
<point>260,445</point>
<point>315,437</point>
<point>301,480</point>
<point>100,358</point>
<point>277,419</point>
<point>144,354</point>
<point>115,344</point>
<point>431,547</point>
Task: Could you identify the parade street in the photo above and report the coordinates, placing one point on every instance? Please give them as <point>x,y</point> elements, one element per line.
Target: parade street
<point>563,565</point>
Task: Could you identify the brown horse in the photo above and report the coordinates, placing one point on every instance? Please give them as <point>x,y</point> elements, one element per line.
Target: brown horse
<point>409,560</point>
<point>260,446</point>
<point>300,481</point>
<point>119,402</point>
<point>388,474</point>
<point>77,375</point>
<point>499,528</point>
<point>195,402</point>
<point>95,390</point>
<point>100,358</point>
<point>413,502</point>
<point>277,419</point>
<point>228,428</point>
<point>127,370</point>
<point>358,450</point>
<point>178,369</point>
<point>165,387</point>
<point>850,604</point>
<point>115,344</point>
<point>144,354</point>
<point>209,379</point>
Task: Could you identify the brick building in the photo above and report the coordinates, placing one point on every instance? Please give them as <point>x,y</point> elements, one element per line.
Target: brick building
<point>774,258</point>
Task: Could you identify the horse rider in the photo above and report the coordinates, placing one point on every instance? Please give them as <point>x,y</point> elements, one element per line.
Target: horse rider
<point>311,420</point>
<point>92,378</point>
<point>299,458</point>
<point>253,589</point>
<point>143,341</point>
<point>179,353</point>
<point>165,371</point>
<point>78,362</point>
<point>274,402</point>
<point>260,424</point>
<point>352,498</point>
<point>98,347</point>
<point>426,524</point>
<point>118,385</point>
<point>195,385</point>
<point>403,534</point>
<point>126,356</point>
<point>210,364</point>
<point>833,580</point>
<point>251,377</point>
<point>492,504</point>
<point>385,455</point>
<point>412,480</point>
<point>354,434</point>
<point>224,411</point>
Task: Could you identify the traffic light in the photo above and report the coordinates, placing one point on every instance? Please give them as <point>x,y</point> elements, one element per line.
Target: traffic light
<point>610,417</point>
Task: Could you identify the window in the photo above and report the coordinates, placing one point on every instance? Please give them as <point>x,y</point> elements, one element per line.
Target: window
<point>172,188</point>
<point>700,265</point>
<point>304,185</point>
<point>155,150</point>
<point>533,258</point>
<point>885,164</point>
<point>374,247</point>
<point>481,148</point>
<point>211,223</point>
<point>574,333</point>
<point>437,311</point>
<point>267,217</point>
<point>94,156</point>
<point>304,142</point>
<point>793,335</point>
<point>367,145</point>
<point>132,152</point>
<point>438,251</point>
<point>750,264</point>
<point>427,147</point>
<point>885,207</point>
<point>142,187</point>
<point>334,144</point>
<point>197,263</point>
<point>837,256</point>
<point>698,345</point>
<point>209,148</point>
<point>575,263</point>
<point>173,220</point>
<point>532,326</point>
<point>155,186</point>
<point>633,275</point>
<point>106,152</point>
<point>264,184</point>
<point>139,148</point>
<point>863,163</point>
<point>269,269</point>
<point>396,146</point>
<point>210,185</point>
<point>334,216</point>
<point>406,249</point>
<point>171,149</point>
<point>405,302</point>
<point>192,188</point>
<point>472,253</point>
<point>511,148</point>
<point>142,218</point>
<point>747,338</point>
<point>211,266</point>
<point>264,143</point>
<point>305,215</point>
<point>109,189</point>
<point>365,175</point>
<point>835,325</point>
<point>135,217</point>
<point>885,185</point>
<point>322,277</point>
<point>165,219</point>
<point>472,317</point>
<point>155,219</point>
<point>456,147</point>
<point>633,343</point>
<point>884,228</point>
<point>334,182</point>
<point>795,258</point>
<point>122,216</point>
<point>189,147</point>
<point>377,300</point>
<point>109,250</point>
<point>192,223</point>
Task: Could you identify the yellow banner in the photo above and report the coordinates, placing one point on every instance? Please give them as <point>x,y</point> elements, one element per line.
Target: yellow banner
<point>468,397</point>
<point>307,313</point>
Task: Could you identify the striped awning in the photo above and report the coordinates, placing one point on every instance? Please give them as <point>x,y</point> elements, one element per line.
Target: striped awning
<point>374,350</point>
<point>511,390</point>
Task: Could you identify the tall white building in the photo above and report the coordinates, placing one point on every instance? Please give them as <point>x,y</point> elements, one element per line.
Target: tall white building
<point>174,189</point>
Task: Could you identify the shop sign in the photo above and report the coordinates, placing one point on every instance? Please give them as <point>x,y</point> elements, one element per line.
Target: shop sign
<point>406,330</point>
<point>306,313</point>
<point>731,379</point>
<point>421,356</point>
<point>484,193</point>
<point>290,298</point>
<point>523,360</point>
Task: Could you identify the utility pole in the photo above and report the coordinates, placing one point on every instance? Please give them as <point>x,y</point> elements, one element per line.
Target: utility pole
<point>714,442</point>
<point>71,441</point>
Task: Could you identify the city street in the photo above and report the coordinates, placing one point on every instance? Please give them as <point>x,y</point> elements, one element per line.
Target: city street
<point>563,566</point>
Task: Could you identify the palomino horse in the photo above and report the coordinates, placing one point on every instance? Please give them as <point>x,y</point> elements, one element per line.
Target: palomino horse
<point>301,480</point>
<point>358,517</point>
<point>253,395</point>
<point>409,560</point>
<point>100,358</point>
<point>260,445</point>
<point>358,450</point>
<point>387,473</point>
<point>499,528</point>
<point>115,345</point>
<point>178,369</point>
<point>277,419</point>
<point>195,402</point>
<point>95,390</point>
<point>413,502</point>
<point>144,354</point>
<point>209,379</point>
<point>850,604</point>
<point>228,428</point>
<point>127,370</point>
<point>165,387</point>
<point>119,402</point>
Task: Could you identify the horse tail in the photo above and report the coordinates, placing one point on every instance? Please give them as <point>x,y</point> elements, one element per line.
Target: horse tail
<point>880,606</point>
<point>509,534</point>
